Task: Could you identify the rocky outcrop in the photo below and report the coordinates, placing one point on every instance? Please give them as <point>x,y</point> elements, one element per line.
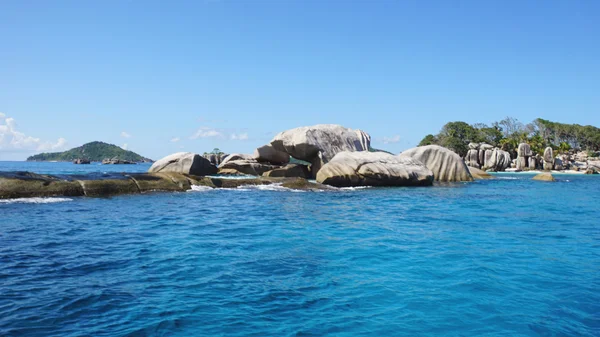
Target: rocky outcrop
<point>444,163</point>
<point>478,174</point>
<point>215,158</point>
<point>235,157</point>
<point>80,161</point>
<point>365,168</point>
<point>523,155</point>
<point>28,185</point>
<point>548,159</point>
<point>117,161</point>
<point>245,167</point>
<point>487,157</point>
<point>544,177</point>
<point>267,154</point>
<point>289,171</point>
<point>318,144</point>
<point>184,163</point>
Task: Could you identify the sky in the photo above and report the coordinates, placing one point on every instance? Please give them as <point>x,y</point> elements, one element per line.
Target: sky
<point>158,77</point>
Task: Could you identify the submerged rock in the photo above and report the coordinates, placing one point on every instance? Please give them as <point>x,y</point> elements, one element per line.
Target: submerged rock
<point>544,177</point>
<point>445,164</point>
<point>478,174</point>
<point>348,169</point>
<point>185,163</point>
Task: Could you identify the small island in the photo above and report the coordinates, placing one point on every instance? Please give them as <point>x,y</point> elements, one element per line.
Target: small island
<point>93,152</point>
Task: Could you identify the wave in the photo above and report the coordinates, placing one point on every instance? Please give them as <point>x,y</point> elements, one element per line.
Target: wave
<point>34,200</point>
<point>199,188</point>
<point>271,187</point>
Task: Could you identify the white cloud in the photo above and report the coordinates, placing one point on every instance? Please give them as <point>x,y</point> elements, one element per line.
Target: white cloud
<point>11,139</point>
<point>175,140</point>
<point>389,140</point>
<point>125,134</point>
<point>241,136</point>
<point>205,132</point>
<point>125,146</point>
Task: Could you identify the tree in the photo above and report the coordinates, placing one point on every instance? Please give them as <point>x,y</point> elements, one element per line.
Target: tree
<point>428,140</point>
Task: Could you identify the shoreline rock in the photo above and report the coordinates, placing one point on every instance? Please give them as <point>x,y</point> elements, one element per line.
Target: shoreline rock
<point>28,185</point>
<point>351,169</point>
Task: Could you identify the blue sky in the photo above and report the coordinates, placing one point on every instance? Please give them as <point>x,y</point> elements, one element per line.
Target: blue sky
<point>164,77</point>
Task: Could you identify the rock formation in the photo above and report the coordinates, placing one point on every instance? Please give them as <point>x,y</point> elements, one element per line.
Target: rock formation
<point>523,155</point>
<point>445,164</point>
<point>365,168</point>
<point>185,163</point>
<point>320,143</point>
<point>548,159</point>
<point>80,161</point>
<point>289,171</point>
<point>268,154</point>
<point>487,157</point>
<point>245,167</point>
<point>544,177</point>
<point>478,174</point>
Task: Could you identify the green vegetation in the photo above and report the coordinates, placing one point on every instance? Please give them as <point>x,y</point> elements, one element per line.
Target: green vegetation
<point>509,132</point>
<point>94,151</point>
<point>215,151</point>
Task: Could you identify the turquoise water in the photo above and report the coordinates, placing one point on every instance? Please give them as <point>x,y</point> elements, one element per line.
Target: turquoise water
<point>506,257</point>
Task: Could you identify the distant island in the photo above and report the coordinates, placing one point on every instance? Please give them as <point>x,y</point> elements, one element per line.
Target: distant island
<point>94,151</point>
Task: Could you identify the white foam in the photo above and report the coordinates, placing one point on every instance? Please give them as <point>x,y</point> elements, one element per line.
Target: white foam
<point>354,188</point>
<point>198,188</point>
<point>34,200</point>
<point>271,187</point>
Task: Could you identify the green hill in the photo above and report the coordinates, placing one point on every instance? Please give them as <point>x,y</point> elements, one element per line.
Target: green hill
<point>94,151</point>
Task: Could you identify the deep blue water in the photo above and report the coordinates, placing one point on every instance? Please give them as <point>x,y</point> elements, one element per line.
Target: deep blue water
<point>506,257</point>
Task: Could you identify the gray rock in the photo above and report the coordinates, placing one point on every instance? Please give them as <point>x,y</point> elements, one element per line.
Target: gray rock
<point>289,171</point>
<point>245,166</point>
<point>474,146</point>
<point>558,164</point>
<point>491,157</point>
<point>185,163</point>
<point>522,163</point>
<point>485,146</point>
<point>548,159</point>
<point>524,150</point>
<point>472,158</point>
<point>320,143</point>
<point>481,157</point>
<point>268,154</point>
<point>235,157</point>
<point>365,168</point>
<point>532,163</point>
<point>445,164</point>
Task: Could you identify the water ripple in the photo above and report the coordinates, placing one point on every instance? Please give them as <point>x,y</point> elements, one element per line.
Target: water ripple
<point>504,257</point>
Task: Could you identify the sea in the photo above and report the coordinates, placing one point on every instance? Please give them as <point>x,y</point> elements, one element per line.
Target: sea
<point>502,257</point>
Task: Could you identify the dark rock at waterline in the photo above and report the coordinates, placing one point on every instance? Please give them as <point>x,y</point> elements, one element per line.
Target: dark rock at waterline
<point>117,161</point>
<point>81,161</point>
<point>28,185</point>
<point>290,171</point>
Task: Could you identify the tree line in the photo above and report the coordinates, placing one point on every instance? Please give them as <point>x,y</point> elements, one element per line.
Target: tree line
<point>509,132</point>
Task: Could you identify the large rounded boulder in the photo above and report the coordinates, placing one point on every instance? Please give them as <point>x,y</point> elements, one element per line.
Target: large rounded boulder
<point>268,154</point>
<point>318,144</point>
<point>445,164</point>
<point>185,163</point>
<point>349,169</point>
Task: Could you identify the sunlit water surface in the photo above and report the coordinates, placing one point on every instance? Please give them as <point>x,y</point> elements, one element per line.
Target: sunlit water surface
<point>506,257</point>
